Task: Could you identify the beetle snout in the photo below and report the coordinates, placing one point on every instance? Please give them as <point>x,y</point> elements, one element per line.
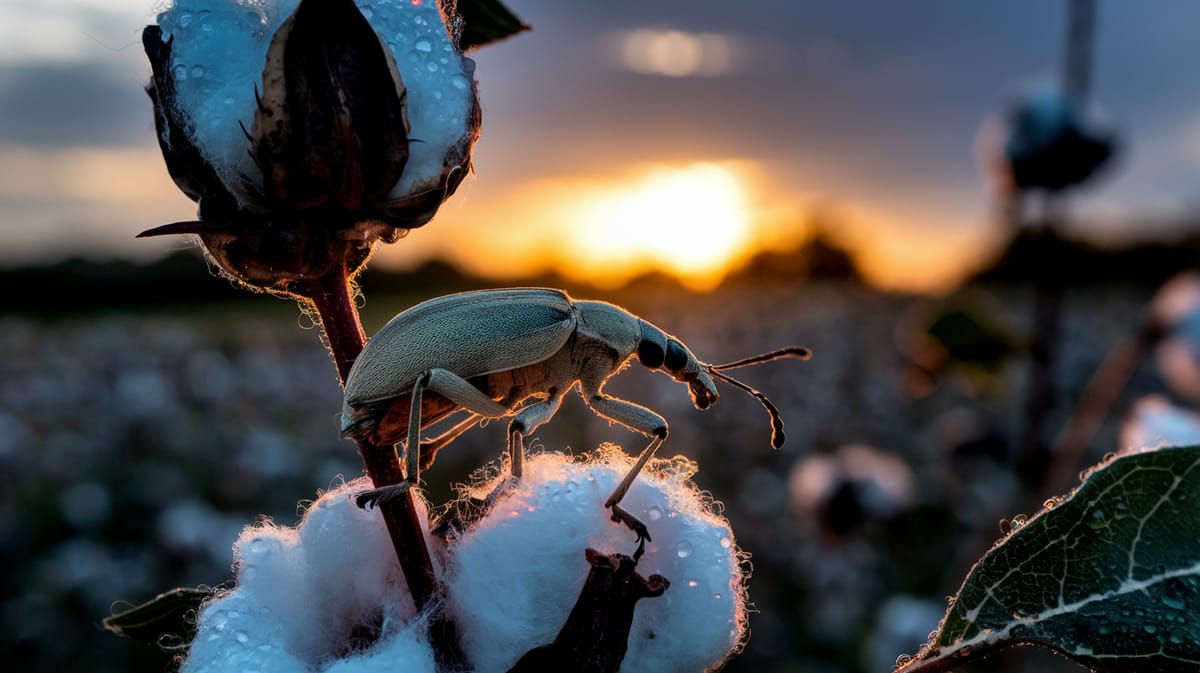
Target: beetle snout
<point>703,393</point>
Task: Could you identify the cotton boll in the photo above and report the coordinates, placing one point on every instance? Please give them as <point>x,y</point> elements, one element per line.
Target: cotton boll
<point>369,568</point>
<point>237,634</point>
<point>406,651</point>
<point>1155,422</point>
<point>220,47</point>
<point>324,595</point>
<point>519,570</point>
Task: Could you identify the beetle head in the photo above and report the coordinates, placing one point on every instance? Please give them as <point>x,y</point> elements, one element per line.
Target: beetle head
<point>657,350</point>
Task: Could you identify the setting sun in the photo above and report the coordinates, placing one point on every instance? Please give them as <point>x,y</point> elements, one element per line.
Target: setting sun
<point>692,221</point>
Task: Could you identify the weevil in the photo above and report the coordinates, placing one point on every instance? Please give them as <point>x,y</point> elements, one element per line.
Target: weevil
<point>517,352</point>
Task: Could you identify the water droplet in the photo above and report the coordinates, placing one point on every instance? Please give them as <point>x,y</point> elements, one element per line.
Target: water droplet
<point>258,546</point>
<point>460,82</point>
<point>717,596</point>
<point>437,95</point>
<point>1018,521</point>
<point>367,13</point>
<point>903,659</point>
<point>180,72</point>
<point>1173,601</point>
<point>185,19</point>
<point>1149,628</point>
<point>242,637</point>
<point>424,46</point>
<point>693,583</point>
<point>654,513</point>
<point>683,549</point>
<point>419,20</point>
<point>726,543</point>
<point>198,71</point>
<point>432,67</point>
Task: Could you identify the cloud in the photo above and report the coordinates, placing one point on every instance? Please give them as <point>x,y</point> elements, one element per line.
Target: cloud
<point>68,104</point>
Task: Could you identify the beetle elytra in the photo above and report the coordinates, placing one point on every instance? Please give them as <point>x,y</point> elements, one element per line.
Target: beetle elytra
<point>517,352</point>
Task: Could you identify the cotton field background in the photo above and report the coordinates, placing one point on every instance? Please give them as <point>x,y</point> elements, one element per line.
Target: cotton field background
<point>135,446</point>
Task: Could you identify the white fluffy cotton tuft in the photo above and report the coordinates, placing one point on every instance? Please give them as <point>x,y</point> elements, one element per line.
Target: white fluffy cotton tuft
<point>312,598</point>
<point>327,595</point>
<point>220,48</point>
<point>516,574</point>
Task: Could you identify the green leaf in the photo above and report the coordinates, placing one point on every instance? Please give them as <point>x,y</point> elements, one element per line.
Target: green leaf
<point>169,613</point>
<point>485,22</point>
<point>1109,577</point>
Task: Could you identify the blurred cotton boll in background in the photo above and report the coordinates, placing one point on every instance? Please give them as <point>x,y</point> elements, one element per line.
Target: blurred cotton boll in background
<point>327,595</point>
<point>1045,139</point>
<point>1175,312</point>
<point>854,486</point>
<point>1155,422</point>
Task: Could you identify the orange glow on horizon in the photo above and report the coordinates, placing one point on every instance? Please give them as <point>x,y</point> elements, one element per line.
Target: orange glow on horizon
<point>697,221</point>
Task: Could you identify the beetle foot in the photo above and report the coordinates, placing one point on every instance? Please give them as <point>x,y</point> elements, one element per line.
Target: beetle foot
<point>643,534</point>
<point>379,496</point>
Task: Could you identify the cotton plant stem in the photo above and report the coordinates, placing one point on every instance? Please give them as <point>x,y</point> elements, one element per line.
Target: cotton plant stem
<point>344,336</point>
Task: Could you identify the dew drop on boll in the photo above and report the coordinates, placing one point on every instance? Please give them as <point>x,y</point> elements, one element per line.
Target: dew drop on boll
<point>423,46</point>
<point>683,549</point>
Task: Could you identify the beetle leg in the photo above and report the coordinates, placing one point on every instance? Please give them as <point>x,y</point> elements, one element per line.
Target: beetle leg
<point>430,447</point>
<point>638,418</point>
<point>454,388</point>
<point>529,419</point>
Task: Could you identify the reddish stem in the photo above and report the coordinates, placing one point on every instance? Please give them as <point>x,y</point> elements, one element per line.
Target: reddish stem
<point>331,297</point>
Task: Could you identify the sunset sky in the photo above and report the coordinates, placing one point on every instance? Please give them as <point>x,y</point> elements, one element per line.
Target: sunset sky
<point>678,134</point>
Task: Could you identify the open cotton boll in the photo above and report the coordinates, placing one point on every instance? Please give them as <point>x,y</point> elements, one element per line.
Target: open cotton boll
<point>219,49</point>
<point>325,595</point>
<point>1155,422</point>
<point>517,572</point>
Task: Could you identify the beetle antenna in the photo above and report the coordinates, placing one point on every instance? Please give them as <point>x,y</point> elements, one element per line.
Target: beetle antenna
<point>776,420</point>
<point>787,352</point>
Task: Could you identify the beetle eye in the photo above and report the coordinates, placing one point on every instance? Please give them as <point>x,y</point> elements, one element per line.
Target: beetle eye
<point>677,356</point>
<point>650,354</point>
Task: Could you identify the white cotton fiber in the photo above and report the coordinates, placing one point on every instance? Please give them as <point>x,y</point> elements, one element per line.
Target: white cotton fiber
<point>220,48</point>
<point>517,573</point>
<point>1155,422</point>
<point>304,594</point>
<point>310,598</point>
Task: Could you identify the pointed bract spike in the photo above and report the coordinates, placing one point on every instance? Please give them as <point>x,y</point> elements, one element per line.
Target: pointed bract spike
<point>185,227</point>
